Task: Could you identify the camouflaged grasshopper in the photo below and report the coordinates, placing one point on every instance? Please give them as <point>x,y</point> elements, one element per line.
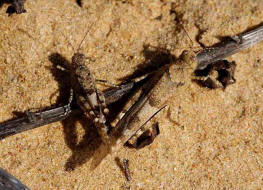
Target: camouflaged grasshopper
<point>90,99</point>
<point>207,67</point>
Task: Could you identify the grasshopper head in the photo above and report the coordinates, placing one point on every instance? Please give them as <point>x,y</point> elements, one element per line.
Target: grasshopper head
<point>189,59</point>
<point>78,59</point>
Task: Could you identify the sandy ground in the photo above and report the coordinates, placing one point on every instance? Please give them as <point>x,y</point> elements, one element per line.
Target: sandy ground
<point>210,139</point>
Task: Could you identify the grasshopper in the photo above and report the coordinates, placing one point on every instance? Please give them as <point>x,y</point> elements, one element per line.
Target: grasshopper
<point>207,67</point>
<point>185,73</point>
<point>90,99</point>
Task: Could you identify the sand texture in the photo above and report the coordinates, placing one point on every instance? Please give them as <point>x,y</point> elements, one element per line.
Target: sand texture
<point>210,139</point>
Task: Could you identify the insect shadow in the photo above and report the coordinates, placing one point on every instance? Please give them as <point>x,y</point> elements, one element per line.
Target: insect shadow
<point>81,151</point>
<point>84,149</point>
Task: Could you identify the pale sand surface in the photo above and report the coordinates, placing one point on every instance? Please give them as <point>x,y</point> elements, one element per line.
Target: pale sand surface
<point>210,139</point>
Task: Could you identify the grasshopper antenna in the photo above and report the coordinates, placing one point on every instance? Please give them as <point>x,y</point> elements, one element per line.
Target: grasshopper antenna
<point>69,43</point>
<point>88,31</point>
<point>192,43</point>
<point>85,35</point>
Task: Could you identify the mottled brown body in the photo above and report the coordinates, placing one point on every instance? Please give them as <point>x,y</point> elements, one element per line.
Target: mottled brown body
<point>89,98</point>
